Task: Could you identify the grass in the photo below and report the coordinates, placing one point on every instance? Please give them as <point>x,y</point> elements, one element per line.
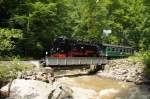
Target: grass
<point>10,70</point>
<point>17,57</point>
<point>145,58</point>
<point>146,61</point>
<point>136,57</point>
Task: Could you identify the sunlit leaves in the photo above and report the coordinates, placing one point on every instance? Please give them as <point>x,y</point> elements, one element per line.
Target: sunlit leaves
<point>9,38</point>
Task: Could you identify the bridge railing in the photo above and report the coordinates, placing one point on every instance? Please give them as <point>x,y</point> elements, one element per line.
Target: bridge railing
<point>76,61</point>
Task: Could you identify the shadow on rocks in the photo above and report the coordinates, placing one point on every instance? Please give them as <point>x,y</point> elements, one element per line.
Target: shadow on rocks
<point>61,92</point>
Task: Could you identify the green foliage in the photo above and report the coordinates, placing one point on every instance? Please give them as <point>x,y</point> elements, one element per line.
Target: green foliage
<point>146,60</point>
<point>89,19</point>
<point>9,39</point>
<point>125,18</point>
<point>137,57</point>
<point>40,21</point>
<point>10,70</point>
<point>145,57</point>
<point>128,18</point>
<point>3,72</point>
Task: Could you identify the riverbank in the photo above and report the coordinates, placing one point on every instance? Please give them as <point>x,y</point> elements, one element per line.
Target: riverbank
<point>41,83</point>
<point>125,70</point>
<point>78,87</point>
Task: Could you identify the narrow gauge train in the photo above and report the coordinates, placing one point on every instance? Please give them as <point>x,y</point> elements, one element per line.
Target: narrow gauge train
<point>65,47</point>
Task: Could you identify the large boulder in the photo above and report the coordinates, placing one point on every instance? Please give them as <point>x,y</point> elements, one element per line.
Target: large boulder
<point>28,89</point>
<point>34,89</point>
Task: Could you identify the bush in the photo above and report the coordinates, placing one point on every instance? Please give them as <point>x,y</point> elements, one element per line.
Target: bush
<point>10,70</point>
<point>4,71</point>
<point>146,60</point>
<point>10,58</point>
<point>9,38</point>
<point>136,57</point>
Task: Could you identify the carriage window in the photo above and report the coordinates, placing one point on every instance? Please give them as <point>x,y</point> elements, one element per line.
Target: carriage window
<point>124,50</point>
<point>121,50</point>
<point>108,49</point>
<point>113,49</point>
<point>132,51</point>
<point>128,50</point>
<point>118,49</point>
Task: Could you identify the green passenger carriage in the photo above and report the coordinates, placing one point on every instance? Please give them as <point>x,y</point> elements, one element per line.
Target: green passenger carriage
<point>116,51</point>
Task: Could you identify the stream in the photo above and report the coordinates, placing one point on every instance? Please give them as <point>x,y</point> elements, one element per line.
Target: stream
<point>95,87</point>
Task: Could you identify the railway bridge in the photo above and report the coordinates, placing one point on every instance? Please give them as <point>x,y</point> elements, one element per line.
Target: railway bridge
<point>94,63</point>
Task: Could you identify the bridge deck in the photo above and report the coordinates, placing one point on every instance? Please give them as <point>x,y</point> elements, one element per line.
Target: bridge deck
<point>76,61</point>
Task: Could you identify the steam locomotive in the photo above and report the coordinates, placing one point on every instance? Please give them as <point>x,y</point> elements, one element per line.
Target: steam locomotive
<point>65,47</point>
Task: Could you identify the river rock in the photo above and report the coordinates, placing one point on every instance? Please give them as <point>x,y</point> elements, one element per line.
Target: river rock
<point>61,92</point>
<point>4,94</point>
<point>108,93</point>
<point>139,92</point>
<point>125,70</point>
<point>45,74</point>
<point>28,89</point>
<point>81,93</point>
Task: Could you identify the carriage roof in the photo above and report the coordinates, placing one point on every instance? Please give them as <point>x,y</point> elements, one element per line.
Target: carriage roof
<point>119,46</point>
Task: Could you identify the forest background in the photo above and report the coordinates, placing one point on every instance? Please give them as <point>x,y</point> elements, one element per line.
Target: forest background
<point>28,27</point>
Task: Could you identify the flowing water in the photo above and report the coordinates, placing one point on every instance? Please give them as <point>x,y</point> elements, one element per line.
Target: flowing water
<point>105,88</point>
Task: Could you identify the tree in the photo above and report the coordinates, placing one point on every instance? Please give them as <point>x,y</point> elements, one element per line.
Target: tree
<point>89,18</point>
<point>9,39</point>
<point>127,21</point>
<point>41,23</point>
